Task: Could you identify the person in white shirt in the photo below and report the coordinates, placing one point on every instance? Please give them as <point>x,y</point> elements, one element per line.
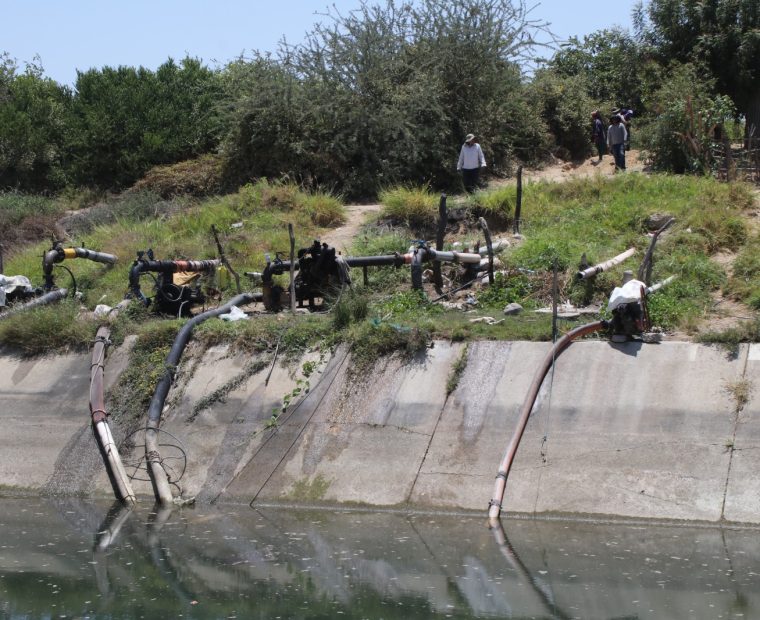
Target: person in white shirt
<point>616,137</point>
<point>471,160</point>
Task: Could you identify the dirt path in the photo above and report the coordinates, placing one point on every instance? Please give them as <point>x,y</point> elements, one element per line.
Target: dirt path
<point>560,171</point>
<point>356,216</point>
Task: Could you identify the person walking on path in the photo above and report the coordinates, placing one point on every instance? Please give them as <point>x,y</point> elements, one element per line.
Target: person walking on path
<point>625,114</point>
<point>471,160</point>
<point>598,134</point>
<point>616,137</point>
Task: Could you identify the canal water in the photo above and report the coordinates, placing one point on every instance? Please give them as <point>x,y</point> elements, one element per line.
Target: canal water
<point>73,559</point>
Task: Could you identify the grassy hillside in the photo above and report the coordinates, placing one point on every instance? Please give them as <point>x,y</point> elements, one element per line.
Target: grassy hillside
<point>560,222</point>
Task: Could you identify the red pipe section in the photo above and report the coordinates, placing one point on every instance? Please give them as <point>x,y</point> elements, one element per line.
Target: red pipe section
<point>494,506</point>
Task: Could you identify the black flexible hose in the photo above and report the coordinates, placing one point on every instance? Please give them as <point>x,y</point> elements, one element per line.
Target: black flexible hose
<point>178,347</point>
<point>47,298</point>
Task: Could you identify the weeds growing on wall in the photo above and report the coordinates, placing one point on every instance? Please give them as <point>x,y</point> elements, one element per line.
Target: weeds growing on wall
<point>457,370</point>
<point>129,399</point>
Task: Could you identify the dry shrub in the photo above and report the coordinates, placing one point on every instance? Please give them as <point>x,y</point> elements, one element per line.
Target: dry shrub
<point>194,177</point>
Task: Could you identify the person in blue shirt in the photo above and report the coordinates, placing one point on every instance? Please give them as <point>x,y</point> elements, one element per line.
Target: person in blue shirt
<point>625,114</point>
<point>616,137</point>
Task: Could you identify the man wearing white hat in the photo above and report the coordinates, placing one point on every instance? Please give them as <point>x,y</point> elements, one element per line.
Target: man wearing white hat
<point>471,160</point>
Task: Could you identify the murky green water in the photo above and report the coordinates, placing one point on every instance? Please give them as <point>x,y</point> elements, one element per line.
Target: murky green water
<point>67,559</point>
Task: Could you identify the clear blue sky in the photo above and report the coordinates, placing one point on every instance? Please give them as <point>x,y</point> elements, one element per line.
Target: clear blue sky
<point>79,34</point>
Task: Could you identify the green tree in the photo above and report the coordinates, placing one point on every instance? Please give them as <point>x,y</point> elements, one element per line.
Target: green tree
<point>33,113</point>
<point>386,93</point>
<point>721,35</point>
<point>686,114</point>
<point>609,63</point>
<point>126,120</point>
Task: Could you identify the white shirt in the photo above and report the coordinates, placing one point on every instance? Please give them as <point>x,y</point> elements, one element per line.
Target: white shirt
<point>616,134</point>
<point>471,156</point>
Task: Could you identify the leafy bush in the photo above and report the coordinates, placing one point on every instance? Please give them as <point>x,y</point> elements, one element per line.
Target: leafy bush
<point>566,108</point>
<point>687,116</point>
<point>33,118</point>
<point>385,94</point>
<point>124,121</point>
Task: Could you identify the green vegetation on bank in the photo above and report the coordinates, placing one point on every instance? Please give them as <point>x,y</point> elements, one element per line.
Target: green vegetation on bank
<point>599,217</point>
<point>602,217</point>
<point>181,229</point>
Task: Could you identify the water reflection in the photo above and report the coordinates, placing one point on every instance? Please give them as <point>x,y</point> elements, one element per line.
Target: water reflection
<point>67,559</point>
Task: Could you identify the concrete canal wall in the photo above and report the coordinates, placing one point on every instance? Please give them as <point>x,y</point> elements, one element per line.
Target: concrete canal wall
<point>668,431</point>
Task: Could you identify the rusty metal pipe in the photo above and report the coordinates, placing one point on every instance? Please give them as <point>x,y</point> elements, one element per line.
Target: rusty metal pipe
<point>108,446</point>
<point>141,266</point>
<point>467,258</point>
<point>494,506</point>
<point>596,269</point>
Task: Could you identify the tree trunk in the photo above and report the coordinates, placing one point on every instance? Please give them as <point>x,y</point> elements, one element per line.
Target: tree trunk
<point>752,120</point>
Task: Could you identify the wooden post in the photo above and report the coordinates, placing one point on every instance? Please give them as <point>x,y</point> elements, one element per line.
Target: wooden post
<point>223,258</point>
<point>555,295</point>
<point>730,165</point>
<point>366,277</point>
<point>292,269</point>
<point>442,221</point>
<point>487,233</point>
<point>518,201</point>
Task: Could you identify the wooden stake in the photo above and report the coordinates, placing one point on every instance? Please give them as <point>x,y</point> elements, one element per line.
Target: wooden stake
<point>224,260</point>
<point>292,269</point>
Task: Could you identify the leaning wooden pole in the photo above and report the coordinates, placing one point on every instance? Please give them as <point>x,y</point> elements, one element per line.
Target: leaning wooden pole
<point>518,202</point>
<point>440,235</point>
<point>223,258</point>
<point>489,245</point>
<point>495,505</point>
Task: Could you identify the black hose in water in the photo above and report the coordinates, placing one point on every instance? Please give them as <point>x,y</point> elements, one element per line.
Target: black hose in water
<point>158,475</point>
